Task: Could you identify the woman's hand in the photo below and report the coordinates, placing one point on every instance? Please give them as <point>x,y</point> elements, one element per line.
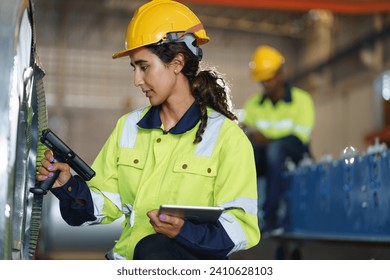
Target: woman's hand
<point>165,224</point>
<point>49,166</point>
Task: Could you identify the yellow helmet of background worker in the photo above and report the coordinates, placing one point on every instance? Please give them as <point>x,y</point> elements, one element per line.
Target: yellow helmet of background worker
<point>265,62</point>
<point>163,21</point>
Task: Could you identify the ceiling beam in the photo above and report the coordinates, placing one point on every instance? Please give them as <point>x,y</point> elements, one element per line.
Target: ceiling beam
<point>336,6</point>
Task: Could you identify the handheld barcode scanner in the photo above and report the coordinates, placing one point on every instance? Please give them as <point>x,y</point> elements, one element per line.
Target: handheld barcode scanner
<point>62,153</point>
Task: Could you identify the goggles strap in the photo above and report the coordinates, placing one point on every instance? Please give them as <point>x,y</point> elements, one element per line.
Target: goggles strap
<point>186,38</point>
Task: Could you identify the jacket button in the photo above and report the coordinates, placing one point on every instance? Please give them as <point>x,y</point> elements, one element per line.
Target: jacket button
<point>208,170</point>
<point>184,166</point>
<point>158,140</point>
<point>136,161</point>
<point>70,189</point>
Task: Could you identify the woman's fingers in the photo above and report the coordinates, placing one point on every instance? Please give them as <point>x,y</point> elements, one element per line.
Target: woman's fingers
<point>49,155</point>
<point>43,171</point>
<point>48,167</point>
<point>165,224</point>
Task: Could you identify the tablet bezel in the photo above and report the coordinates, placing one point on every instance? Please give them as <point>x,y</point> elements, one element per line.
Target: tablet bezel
<point>196,214</point>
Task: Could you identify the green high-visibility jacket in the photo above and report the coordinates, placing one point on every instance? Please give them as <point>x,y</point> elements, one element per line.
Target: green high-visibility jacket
<point>292,115</point>
<point>139,169</point>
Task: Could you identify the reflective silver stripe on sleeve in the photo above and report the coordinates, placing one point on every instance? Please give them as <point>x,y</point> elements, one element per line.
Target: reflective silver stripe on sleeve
<point>98,203</point>
<point>232,226</point>
<point>130,129</point>
<point>206,146</point>
<point>249,205</point>
<point>111,255</point>
<point>128,210</point>
<point>302,129</point>
<point>279,125</point>
<point>235,232</point>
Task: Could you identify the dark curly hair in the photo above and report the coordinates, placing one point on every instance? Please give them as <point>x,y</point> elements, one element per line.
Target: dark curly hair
<point>207,86</point>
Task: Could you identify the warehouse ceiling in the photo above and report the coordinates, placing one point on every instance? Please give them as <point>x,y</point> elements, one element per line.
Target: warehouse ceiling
<point>284,18</point>
<point>336,6</point>
<point>93,21</point>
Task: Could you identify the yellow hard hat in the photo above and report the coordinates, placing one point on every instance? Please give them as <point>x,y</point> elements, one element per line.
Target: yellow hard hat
<point>154,21</point>
<point>265,62</point>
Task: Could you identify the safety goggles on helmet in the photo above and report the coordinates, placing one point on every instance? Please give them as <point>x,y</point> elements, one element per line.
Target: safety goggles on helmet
<point>156,21</point>
<point>187,38</point>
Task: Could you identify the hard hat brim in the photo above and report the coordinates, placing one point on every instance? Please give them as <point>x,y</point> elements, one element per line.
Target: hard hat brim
<point>120,54</point>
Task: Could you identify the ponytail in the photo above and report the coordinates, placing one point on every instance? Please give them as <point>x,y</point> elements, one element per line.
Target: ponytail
<point>210,90</point>
<point>207,86</point>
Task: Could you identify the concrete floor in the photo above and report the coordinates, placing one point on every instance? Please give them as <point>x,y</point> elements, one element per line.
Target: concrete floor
<point>277,248</point>
<point>272,249</point>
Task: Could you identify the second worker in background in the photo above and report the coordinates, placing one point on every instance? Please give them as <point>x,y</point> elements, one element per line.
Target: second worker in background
<point>278,121</point>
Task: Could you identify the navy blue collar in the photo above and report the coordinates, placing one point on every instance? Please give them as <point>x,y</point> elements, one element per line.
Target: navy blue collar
<point>152,120</point>
<point>286,98</point>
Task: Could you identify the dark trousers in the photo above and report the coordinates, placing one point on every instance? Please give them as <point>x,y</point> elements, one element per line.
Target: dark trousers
<point>270,163</point>
<point>161,247</point>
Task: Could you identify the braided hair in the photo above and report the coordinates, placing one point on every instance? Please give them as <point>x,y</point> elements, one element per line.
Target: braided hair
<point>207,86</point>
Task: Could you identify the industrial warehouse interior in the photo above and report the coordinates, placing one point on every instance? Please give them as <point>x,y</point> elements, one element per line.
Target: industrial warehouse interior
<point>337,50</point>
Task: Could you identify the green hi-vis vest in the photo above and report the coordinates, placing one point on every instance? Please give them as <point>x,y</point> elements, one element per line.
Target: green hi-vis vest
<point>139,169</point>
<point>295,117</point>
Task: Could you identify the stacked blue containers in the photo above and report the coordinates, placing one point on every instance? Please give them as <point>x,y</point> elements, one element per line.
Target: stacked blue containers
<point>345,199</point>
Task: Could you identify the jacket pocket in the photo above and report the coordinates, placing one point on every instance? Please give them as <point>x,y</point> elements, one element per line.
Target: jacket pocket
<point>131,158</point>
<point>195,165</point>
<point>130,165</point>
<point>193,180</point>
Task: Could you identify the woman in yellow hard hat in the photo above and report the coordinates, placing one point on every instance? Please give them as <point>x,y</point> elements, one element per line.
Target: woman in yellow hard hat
<point>186,148</point>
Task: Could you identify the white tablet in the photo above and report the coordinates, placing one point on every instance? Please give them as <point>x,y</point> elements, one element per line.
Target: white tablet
<point>197,214</point>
